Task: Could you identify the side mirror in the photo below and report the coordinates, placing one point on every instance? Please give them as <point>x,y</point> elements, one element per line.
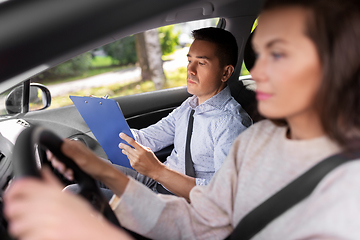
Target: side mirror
<point>39,98</point>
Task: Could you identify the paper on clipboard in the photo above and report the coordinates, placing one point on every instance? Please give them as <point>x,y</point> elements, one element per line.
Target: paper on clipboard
<point>106,121</point>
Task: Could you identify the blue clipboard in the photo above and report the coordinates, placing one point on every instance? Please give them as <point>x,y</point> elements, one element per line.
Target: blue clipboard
<point>106,121</point>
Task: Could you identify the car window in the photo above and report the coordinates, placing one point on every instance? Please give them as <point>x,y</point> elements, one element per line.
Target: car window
<point>123,67</point>
<point>244,70</point>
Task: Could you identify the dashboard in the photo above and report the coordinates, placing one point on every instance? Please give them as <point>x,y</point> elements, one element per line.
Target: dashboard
<point>9,131</point>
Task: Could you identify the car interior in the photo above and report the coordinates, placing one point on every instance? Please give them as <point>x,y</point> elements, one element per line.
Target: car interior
<point>140,110</point>
<point>39,35</point>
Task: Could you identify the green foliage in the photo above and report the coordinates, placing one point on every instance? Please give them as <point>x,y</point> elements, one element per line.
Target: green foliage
<point>74,67</point>
<point>122,51</point>
<point>168,39</point>
<point>174,79</point>
<point>101,61</point>
<point>91,72</point>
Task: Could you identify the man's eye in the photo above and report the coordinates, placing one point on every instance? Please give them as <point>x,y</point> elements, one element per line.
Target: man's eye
<point>201,63</point>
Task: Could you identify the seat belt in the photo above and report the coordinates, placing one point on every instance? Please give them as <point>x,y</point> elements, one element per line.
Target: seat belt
<point>189,165</point>
<point>289,196</point>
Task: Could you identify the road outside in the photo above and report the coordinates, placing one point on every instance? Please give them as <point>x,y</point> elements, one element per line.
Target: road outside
<point>122,76</point>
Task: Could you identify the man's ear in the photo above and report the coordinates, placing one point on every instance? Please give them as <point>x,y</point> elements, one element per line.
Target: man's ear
<point>228,70</point>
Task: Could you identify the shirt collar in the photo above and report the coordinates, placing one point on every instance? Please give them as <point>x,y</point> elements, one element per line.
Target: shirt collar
<point>216,101</point>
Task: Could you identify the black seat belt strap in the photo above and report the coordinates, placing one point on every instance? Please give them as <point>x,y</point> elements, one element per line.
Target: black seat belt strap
<point>287,197</point>
<point>189,165</point>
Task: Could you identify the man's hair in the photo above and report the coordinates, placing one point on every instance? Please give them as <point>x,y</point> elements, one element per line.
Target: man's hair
<point>227,49</point>
<point>333,26</point>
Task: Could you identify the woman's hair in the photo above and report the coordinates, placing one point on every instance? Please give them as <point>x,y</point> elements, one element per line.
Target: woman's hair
<point>334,27</point>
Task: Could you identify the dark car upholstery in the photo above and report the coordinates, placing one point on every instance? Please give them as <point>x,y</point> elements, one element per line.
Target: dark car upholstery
<point>246,87</point>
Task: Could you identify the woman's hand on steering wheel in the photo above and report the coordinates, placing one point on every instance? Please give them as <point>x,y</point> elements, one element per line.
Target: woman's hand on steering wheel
<point>91,164</point>
<point>35,199</point>
<point>83,157</point>
<point>38,209</point>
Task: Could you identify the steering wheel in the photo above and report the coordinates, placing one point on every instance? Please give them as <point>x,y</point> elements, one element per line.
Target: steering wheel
<point>24,164</point>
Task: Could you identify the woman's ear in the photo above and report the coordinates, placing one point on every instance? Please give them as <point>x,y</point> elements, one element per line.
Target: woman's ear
<point>228,70</point>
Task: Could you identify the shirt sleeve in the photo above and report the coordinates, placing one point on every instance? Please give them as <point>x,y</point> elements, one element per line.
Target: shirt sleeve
<point>158,135</point>
<point>201,181</point>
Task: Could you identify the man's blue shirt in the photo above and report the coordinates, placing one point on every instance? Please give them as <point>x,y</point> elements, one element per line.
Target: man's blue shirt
<point>217,122</point>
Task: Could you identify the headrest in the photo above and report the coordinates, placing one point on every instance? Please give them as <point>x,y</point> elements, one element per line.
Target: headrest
<point>249,54</point>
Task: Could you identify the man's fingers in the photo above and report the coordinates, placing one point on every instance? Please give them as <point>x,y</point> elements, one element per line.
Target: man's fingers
<point>126,138</point>
<point>128,151</point>
<point>129,140</point>
<point>126,147</point>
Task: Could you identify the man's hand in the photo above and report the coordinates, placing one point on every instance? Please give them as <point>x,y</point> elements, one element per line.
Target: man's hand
<point>142,159</point>
<point>145,162</point>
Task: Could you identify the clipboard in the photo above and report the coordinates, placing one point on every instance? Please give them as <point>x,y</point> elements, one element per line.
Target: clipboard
<point>106,121</point>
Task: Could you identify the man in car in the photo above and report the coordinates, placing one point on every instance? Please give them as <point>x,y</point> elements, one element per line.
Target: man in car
<point>217,120</point>
<point>297,82</point>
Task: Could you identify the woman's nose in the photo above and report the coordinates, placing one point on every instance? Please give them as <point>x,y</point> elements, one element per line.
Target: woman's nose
<point>258,70</point>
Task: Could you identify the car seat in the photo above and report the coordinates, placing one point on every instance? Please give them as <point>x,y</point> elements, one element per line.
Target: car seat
<point>243,89</point>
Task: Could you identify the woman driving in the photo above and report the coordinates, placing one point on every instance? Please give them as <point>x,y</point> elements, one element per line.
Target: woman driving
<point>307,72</point>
